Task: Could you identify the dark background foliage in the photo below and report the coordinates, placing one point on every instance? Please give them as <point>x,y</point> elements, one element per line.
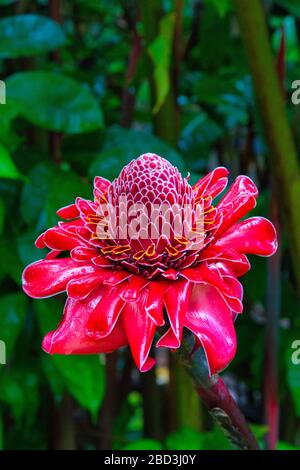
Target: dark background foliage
<point>90,85</point>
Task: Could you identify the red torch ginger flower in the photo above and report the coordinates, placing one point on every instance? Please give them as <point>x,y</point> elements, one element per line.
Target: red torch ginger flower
<point>122,287</point>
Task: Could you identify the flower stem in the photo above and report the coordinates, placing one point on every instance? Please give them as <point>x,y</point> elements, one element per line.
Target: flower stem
<point>216,397</point>
<point>283,153</point>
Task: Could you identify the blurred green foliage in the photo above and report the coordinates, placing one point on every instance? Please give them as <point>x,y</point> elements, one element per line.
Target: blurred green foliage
<point>69,93</point>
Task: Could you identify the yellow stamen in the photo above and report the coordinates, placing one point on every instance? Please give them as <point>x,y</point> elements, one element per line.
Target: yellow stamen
<point>182,240</point>
<point>118,250</point>
<point>150,251</point>
<point>139,255</point>
<point>108,249</point>
<point>171,250</point>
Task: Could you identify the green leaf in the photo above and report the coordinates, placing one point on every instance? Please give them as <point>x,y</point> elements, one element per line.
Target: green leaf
<point>48,189</point>
<point>123,145</point>
<point>28,35</point>
<point>282,445</point>
<point>12,316</point>
<point>144,444</point>
<point>35,191</point>
<point>2,214</point>
<point>19,390</point>
<point>54,101</point>
<point>160,51</point>
<point>9,261</point>
<point>293,372</point>
<point>292,6</point>
<point>197,138</point>
<point>7,167</point>
<point>222,6</point>
<point>184,439</point>
<point>82,375</point>
<point>1,431</point>
<point>71,186</point>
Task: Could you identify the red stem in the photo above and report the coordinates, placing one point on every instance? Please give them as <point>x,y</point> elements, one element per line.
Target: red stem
<point>128,95</point>
<point>273,302</point>
<point>216,396</point>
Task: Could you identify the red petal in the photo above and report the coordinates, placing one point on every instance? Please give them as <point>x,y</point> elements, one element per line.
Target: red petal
<point>45,278</point>
<point>106,313</point>
<point>176,301</point>
<point>132,291</point>
<point>255,235</point>
<point>171,274</point>
<point>116,278</point>
<point>56,239</point>
<point>140,330</point>
<point>229,287</point>
<point>213,183</point>
<point>85,207</point>
<point>155,301</point>
<point>209,318</point>
<point>101,261</point>
<point>68,212</point>
<point>53,254</point>
<point>82,253</point>
<point>239,200</point>
<point>82,287</point>
<point>70,336</point>
<point>237,262</point>
<point>39,242</point>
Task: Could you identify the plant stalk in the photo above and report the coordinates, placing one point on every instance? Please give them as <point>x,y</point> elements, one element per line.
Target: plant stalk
<point>216,396</point>
<point>283,154</point>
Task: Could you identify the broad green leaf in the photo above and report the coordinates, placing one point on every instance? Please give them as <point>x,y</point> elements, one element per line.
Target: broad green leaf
<point>27,251</point>
<point>35,191</point>
<point>198,137</point>
<point>7,167</point>
<point>63,190</point>
<point>7,2</point>
<point>12,316</point>
<point>10,263</point>
<point>19,390</point>
<point>122,145</point>
<point>160,51</point>
<point>144,444</point>
<point>28,35</point>
<point>54,101</point>
<point>82,375</point>
<point>48,189</point>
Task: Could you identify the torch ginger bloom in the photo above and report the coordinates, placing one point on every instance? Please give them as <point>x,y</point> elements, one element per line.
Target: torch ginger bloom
<point>120,290</point>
